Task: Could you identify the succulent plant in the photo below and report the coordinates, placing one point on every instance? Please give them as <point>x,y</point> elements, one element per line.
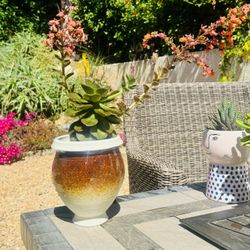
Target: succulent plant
<point>93,103</point>
<point>245,124</point>
<point>225,117</point>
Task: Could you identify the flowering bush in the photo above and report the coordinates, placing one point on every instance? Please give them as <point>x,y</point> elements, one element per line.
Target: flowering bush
<point>9,151</point>
<point>37,135</point>
<point>218,34</point>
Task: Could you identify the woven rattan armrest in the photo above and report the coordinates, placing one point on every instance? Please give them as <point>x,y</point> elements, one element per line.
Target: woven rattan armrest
<point>147,172</point>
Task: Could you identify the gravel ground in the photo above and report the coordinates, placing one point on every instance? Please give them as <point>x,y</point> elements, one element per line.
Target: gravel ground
<point>26,186</point>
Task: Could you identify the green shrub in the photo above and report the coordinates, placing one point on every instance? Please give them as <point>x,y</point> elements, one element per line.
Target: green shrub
<point>232,3</point>
<point>16,15</point>
<point>116,27</point>
<point>237,54</point>
<point>27,81</point>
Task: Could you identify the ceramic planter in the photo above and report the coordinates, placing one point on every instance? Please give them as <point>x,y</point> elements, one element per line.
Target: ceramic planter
<point>228,179</point>
<point>87,176</point>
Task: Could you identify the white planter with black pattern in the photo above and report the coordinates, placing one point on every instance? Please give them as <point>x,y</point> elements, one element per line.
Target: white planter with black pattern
<point>228,179</point>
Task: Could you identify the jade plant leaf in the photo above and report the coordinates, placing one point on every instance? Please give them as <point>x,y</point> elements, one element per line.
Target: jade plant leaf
<point>71,112</point>
<point>98,133</point>
<point>104,125</point>
<point>245,141</point>
<point>102,112</point>
<point>82,106</point>
<point>113,110</point>
<point>243,124</point>
<point>90,120</point>
<point>88,90</point>
<point>102,91</point>
<point>112,96</point>
<point>93,98</point>
<point>83,136</point>
<point>114,119</point>
<point>76,98</point>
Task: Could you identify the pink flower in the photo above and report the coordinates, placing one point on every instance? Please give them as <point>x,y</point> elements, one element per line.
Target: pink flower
<point>60,14</point>
<point>70,28</point>
<point>65,33</point>
<point>162,35</point>
<point>53,22</point>
<point>10,152</point>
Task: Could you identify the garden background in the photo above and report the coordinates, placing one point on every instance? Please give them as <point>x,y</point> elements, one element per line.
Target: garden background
<point>32,103</point>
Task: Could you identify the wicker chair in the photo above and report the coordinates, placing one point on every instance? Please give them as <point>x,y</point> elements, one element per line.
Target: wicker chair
<point>164,134</point>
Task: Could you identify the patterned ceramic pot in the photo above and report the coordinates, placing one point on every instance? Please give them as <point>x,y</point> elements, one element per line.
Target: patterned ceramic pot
<point>87,176</point>
<point>228,184</point>
<point>228,179</point>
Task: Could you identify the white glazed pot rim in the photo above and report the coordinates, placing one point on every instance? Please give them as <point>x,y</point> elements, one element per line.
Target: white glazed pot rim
<point>62,143</point>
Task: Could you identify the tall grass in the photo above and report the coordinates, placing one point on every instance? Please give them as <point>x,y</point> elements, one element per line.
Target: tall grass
<point>27,79</point>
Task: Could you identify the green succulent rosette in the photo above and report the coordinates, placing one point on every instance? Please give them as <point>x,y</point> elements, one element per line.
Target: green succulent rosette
<point>225,117</point>
<point>93,103</point>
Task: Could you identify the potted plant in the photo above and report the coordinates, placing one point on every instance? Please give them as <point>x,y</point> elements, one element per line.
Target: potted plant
<point>88,168</point>
<point>228,171</point>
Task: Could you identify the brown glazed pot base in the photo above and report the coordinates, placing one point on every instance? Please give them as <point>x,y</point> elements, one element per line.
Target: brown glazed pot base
<point>88,182</point>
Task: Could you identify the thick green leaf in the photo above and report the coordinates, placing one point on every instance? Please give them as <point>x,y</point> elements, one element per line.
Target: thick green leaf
<point>76,98</point>
<point>102,91</point>
<point>82,106</point>
<point>128,82</point>
<point>93,83</point>
<point>71,112</point>
<point>79,132</point>
<point>90,120</point>
<point>111,96</point>
<point>71,127</point>
<point>93,98</point>
<point>102,112</point>
<point>98,133</point>
<point>105,125</point>
<point>78,128</point>
<point>72,136</point>
<point>113,110</point>
<point>114,119</point>
<point>245,139</point>
<point>83,136</point>
<point>242,124</point>
<point>88,90</point>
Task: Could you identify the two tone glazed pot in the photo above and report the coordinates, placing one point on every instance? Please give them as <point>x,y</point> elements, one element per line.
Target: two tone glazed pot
<point>87,176</point>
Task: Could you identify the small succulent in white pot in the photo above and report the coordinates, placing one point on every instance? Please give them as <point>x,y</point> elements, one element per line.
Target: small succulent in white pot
<point>228,172</point>
<point>222,137</point>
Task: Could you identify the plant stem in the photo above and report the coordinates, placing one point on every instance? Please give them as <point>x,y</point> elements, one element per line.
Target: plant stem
<point>162,74</point>
<point>64,82</point>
